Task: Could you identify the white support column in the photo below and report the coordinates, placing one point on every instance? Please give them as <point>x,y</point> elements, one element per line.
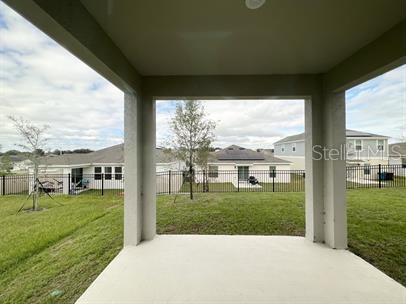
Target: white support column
<point>132,169</point>
<point>335,227</point>
<point>67,179</point>
<point>148,169</point>
<point>325,140</point>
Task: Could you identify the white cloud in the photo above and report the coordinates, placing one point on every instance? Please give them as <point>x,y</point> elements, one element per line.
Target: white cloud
<point>44,83</point>
<point>250,123</point>
<point>379,105</point>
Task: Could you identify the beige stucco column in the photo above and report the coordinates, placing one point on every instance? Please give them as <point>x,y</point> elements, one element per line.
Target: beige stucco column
<point>148,169</point>
<point>139,175</point>
<point>132,169</point>
<point>325,140</point>
<point>335,212</point>
<point>314,170</point>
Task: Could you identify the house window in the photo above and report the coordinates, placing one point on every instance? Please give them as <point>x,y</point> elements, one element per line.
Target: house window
<point>380,145</point>
<point>97,173</point>
<point>213,171</point>
<point>272,172</point>
<point>118,173</point>
<point>107,172</point>
<point>358,145</point>
<point>367,170</point>
<point>293,147</point>
<point>403,162</point>
<point>283,148</point>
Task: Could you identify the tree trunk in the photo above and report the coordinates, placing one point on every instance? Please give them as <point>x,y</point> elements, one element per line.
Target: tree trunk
<point>191,179</point>
<point>35,196</point>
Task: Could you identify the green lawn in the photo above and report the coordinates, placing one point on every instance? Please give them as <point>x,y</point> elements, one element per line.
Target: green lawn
<point>61,250</point>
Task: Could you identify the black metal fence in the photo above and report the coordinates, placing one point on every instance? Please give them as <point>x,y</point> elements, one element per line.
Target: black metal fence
<point>231,181</point>
<point>69,184</point>
<point>173,182</point>
<point>379,176</point>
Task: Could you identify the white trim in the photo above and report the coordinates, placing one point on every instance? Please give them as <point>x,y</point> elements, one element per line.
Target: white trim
<point>248,164</point>
<point>383,145</point>
<point>355,145</point>
<point>283,147</point>
<point>367,137</point>
<point>290,156</point>
<point>347,137</point>
<point>290,141</point>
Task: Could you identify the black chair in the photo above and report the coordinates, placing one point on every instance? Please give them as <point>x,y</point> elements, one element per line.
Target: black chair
<point>252,180</point>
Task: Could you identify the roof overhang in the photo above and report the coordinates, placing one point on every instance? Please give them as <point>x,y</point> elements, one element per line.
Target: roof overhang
<point>138,45</point>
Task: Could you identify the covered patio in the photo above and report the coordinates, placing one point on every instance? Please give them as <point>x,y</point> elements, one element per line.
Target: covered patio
<point>199,49</point>
<point>239,269</point>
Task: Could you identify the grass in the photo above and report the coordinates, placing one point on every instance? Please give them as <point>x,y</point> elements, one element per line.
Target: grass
<point>62,249</point>
<point>213,187</point>
<point>377,228</point>
<point>231,213</point>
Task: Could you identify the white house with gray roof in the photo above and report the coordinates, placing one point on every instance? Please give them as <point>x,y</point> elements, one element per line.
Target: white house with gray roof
<point>236,164</point>
<point>362,149</point>
<point>86,170</point>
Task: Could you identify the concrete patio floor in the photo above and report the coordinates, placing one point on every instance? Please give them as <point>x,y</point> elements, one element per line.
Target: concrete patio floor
<point>240,269</point>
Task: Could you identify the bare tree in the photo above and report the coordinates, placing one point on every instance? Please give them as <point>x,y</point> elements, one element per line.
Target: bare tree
<point>193,134</point>
<point>34,141</point>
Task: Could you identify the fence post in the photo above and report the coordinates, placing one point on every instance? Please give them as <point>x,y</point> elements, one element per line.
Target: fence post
<point>273,180</point>
<point>170,174</point>
<point>69,184</point>
<point>3,190</point>
<point>238,181</point>
<point>102,184</point>
<point>379,175</point>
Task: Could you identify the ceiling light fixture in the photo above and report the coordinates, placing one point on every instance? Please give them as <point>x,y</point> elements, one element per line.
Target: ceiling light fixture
<point>254,4</point>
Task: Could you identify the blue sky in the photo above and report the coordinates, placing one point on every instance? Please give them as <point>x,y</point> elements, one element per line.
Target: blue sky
<point>42,82</point>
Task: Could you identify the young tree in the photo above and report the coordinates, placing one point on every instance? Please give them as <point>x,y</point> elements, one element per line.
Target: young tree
<point>202,158</point>
<point>192,135</point>
<point>34,141</point>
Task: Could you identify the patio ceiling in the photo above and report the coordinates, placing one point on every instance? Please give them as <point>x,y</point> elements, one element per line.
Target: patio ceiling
<point>201,37</point>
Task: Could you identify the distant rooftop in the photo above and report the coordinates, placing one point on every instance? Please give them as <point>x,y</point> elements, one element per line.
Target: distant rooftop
<point>109,155</point>
<point>236,153</point>
<point>349,133</point>
<point>397,149</point>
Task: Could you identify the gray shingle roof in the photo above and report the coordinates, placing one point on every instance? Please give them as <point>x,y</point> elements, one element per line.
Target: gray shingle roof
<point>109,155</point>
<point>397,149</point>
<point>349,133</point>
<point>242,155</point>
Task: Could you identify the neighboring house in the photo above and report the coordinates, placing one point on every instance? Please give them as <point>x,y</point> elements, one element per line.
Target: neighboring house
<point>397,156</point>
<point>89,170</point>
<point>166,161</point>
<point>236,164</point>
<point>15,163</point>
<point>22,166</point>
<point>362,149</point>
